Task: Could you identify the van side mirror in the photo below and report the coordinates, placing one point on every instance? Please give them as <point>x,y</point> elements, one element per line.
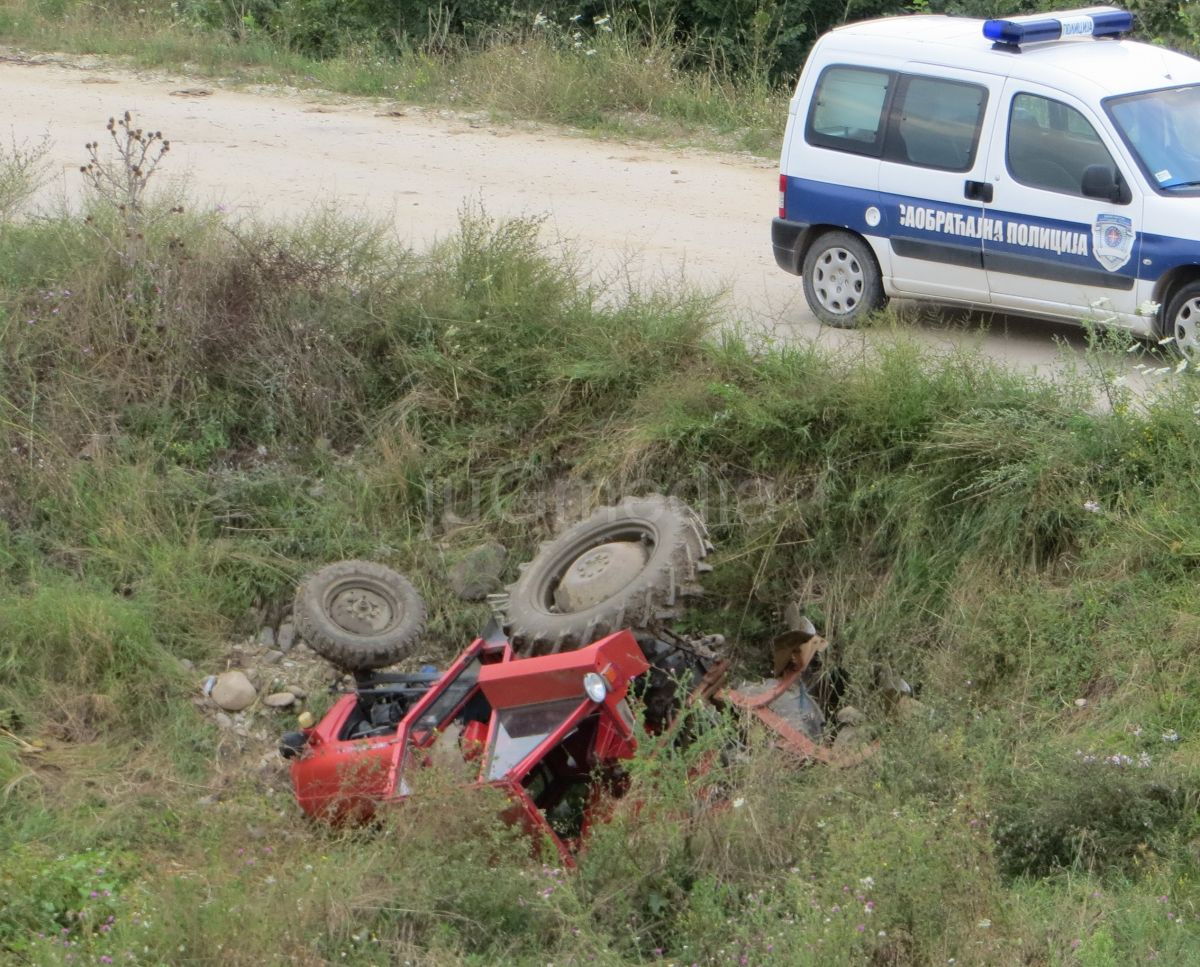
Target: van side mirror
<point>1101,181</point>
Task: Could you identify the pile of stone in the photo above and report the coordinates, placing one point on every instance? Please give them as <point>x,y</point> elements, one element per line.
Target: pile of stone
<point>270,674</point>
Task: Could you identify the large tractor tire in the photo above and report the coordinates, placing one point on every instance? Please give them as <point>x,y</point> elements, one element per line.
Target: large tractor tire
<point>632,565</point>
<point>359,615</point>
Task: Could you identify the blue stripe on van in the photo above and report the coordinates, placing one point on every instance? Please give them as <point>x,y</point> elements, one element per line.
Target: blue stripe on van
<point>1016,243</point>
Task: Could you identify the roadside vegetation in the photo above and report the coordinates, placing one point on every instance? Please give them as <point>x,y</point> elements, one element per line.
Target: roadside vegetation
<point>195,412</point>
<point>713,73</point>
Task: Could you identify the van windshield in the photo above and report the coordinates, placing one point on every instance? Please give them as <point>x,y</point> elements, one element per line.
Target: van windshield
<point>1163,129</point>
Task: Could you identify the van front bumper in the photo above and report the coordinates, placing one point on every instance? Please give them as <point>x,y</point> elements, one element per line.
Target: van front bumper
<point>785,240</point>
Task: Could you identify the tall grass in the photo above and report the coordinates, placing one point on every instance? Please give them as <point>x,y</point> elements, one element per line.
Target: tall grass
<point>193,422</point>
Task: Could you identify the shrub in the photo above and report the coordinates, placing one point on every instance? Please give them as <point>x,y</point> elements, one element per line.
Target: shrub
<point>1093,812</point>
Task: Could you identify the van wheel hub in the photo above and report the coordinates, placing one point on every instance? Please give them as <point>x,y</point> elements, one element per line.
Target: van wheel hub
<point>1187,329</point>
<point>839,280</point>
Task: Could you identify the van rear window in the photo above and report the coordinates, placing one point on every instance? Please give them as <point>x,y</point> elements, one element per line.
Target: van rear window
<point>848,109</point>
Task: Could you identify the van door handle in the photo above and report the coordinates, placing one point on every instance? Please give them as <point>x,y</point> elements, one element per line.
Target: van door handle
<point>978,191</point>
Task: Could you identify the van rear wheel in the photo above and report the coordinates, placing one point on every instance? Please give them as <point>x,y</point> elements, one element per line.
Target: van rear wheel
<point>842,282</point>
<point>1182,321</point>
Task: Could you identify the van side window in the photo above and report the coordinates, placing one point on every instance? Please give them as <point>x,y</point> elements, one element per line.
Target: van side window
<point>1050,145</point>
<point>847,110</point>
<point>937,123</point>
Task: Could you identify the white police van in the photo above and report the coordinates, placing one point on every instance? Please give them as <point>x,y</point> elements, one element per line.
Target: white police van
<point>1039,165</point>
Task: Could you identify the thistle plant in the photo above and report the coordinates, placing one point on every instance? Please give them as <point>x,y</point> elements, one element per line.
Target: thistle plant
<point>122,181</point>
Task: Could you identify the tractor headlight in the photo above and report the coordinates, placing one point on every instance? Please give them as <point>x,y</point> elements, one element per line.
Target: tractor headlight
<point>595,686</point>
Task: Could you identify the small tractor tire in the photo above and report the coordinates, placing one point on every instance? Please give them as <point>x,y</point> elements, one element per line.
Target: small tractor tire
<point>632,565</point>
<point>358,615</point>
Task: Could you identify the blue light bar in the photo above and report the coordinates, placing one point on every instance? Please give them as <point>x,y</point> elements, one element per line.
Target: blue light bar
<point>1039,28</point>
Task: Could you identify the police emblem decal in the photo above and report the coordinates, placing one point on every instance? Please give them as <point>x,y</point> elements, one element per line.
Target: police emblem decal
<point>1112,240</point>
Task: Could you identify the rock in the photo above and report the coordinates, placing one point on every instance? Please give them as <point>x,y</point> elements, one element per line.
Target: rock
<point>849,715</point>
<point>907,708</point>
<point>266,637</point>
<point>298,692</point>
<point>224,721</point>
<point>286,637</point>
<point>793,617</point>
<point>209,800</point>
<point>273,657</point>
<point>279,700</point>
<point>233,691</point>
<point>478,574</point>
<point>848,738</point>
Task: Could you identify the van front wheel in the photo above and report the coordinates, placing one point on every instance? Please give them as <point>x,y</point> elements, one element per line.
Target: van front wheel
<point>841,280</point>
<point>1182,321</point>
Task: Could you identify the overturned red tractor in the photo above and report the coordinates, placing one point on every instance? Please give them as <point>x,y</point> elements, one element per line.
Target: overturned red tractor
<point>542,705</point>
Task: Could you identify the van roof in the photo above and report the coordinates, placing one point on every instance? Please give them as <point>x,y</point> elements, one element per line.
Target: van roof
<point>1085,66</point>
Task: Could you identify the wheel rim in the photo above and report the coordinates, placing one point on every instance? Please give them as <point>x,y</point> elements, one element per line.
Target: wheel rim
<point>597,574</point>
<point>360,610</point>
<point>593,571</point>
<point>838,280</point>
<point>1187,329</point>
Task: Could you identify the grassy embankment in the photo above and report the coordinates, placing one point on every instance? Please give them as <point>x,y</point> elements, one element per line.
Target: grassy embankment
<point>624,80</point>
<point>193,418</point>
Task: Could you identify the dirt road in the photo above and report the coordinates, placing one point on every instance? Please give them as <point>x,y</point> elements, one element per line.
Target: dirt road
<point>648,212</point>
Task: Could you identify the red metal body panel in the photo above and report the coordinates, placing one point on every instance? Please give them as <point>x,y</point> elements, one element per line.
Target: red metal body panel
<point>342,780</point>
<point>346,779</point>
<point>551,677</point>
